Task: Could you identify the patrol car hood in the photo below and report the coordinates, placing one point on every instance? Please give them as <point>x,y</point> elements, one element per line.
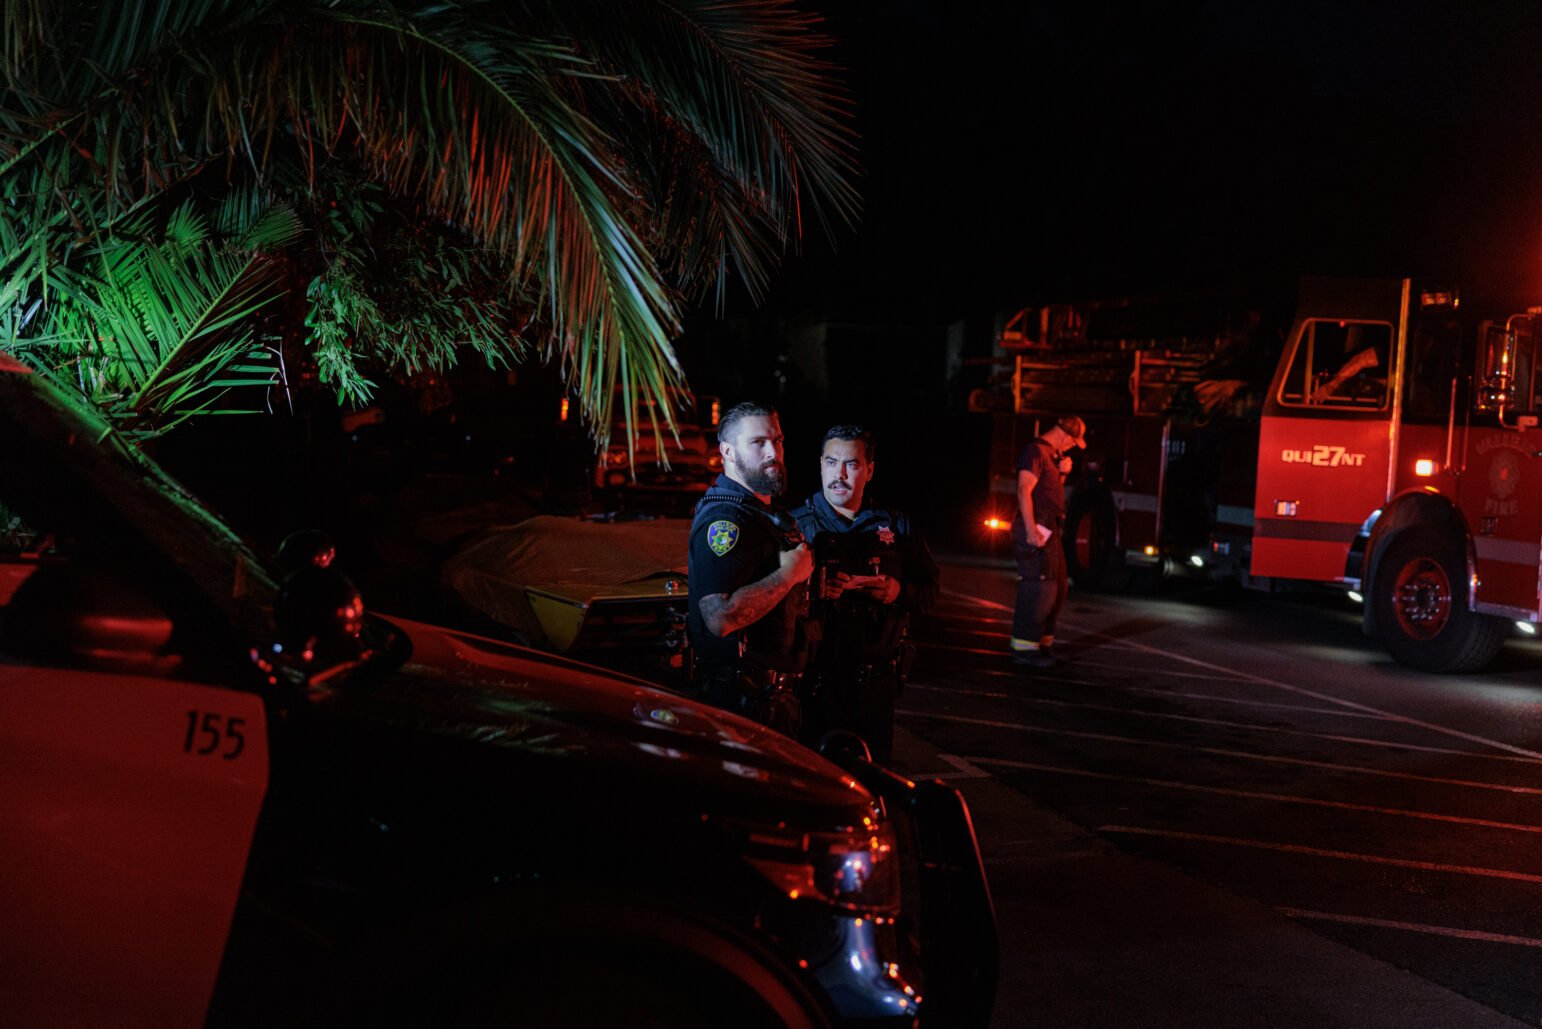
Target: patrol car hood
<point>565,712</point>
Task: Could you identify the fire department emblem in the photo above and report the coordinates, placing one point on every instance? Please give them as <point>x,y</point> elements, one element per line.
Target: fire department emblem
<point>1504,471</point>
<point>885,535</point>
<point>721,537</point>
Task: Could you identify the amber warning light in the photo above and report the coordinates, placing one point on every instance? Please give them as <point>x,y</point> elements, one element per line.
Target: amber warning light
<point>995,524</point>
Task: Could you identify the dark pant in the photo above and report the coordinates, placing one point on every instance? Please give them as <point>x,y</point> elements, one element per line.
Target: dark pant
<point>860,700</point>
<point>1041,588</point>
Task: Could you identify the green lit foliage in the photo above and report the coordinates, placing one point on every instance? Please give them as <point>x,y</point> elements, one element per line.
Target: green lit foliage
<point>551,176</point>
<point>157,322</point>
<point>407,286</point>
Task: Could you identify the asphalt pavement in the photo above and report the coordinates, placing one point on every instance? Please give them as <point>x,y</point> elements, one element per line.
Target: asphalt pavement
<point>1091,936</point>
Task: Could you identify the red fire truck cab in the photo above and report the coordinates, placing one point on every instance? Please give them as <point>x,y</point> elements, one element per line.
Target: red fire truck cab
<point>1386,443</point>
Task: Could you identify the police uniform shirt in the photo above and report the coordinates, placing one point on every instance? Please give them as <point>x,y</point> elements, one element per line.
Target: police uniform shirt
<point>734,543</point>
<point>899,551</point>
<point>878,540</point>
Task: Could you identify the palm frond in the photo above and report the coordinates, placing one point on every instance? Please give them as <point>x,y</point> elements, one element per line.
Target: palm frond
<point>733,120</point>
<point>587,147</point>
<point>455,104</point>
<point>163,325</point>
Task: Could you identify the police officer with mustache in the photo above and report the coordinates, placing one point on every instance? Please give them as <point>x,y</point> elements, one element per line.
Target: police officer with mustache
<point>749,624</point>
<point>873,570</point>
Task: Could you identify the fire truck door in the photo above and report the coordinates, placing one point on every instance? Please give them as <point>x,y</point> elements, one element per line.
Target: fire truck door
<point>1500,494</point>
<point>1327,444</point>
<point>127,807</point>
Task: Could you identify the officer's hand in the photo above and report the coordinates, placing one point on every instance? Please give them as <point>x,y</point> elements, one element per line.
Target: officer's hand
<point>797,563</point>
<point>887,590</point>
<point>834,586</point>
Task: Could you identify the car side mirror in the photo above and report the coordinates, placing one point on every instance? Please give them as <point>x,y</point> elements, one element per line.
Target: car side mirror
<point>319,615</point>
<point>304,549</point>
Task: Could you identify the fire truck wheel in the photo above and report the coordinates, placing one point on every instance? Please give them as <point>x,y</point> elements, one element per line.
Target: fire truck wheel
<point>1092,551</point>
<point>1421,606</point>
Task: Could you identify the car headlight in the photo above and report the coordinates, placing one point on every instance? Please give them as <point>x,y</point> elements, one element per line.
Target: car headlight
<point>855,868</point>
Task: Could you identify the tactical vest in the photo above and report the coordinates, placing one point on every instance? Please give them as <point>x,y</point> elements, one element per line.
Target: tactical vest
<point>784,639</point>
<point>857,628</point>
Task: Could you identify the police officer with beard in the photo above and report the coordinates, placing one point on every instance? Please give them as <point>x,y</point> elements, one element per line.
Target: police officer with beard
<point>872,571</point>
<point>748,568</point>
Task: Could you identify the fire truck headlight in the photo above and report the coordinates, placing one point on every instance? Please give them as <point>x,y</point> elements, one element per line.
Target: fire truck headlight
<point>1356,597</point>
<point>1197,560</point>
<point>1424,467</point>
<point>1526,628</point>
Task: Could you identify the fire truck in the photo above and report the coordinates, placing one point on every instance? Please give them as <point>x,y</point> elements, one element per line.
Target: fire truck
<point>1385,443</point>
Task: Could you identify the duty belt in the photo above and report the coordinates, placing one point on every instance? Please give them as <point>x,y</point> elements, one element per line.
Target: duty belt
<point>766,678</point>
<point>770,678</point>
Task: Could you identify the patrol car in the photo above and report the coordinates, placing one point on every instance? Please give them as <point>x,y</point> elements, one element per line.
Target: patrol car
<point>233,801</point>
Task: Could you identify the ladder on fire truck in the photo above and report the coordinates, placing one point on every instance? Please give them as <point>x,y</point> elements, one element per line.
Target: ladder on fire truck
<point>1107,359</point>
<point>1136,371</point>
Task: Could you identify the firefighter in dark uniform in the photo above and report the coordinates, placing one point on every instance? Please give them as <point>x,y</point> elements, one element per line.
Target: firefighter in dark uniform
<point>748,568</point>
<point>872,571</point>
<point>1037,529</point>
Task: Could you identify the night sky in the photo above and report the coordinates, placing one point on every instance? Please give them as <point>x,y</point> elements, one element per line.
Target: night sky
<point>1022,152</point>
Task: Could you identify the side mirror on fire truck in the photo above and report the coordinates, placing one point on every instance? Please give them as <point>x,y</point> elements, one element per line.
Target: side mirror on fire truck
<point>1496,370</point>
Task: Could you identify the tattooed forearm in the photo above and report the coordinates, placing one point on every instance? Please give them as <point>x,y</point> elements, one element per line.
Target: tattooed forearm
<point>726,613</point>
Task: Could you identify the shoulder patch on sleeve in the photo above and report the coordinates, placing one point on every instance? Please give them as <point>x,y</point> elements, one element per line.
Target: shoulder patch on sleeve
<point>721,536</point>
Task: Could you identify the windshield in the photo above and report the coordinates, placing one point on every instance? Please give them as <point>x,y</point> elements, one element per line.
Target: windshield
<point>64,472</point>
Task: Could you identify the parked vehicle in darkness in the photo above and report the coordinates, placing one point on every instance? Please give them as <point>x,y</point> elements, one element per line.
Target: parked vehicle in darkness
<point>232,801</point>
<point>661,468</point>
<point>611,591</point>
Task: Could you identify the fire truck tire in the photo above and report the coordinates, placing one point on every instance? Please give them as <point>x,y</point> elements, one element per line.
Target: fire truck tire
<point>1093,558</point>
<point>1421,605</point>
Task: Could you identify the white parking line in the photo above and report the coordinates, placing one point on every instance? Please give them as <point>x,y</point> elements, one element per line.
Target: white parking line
<point>1017,676</point>
<point>968,607</point>
<point>1281,798</point>
<point>965,769</point>
<point>1340,855</point>
<point>1245,755</point>
<point>974,616</point>
<point>1082,662</point>
<point>1166,673</point>
<point>1412,927</point>
<point>1265,681</point>
<point>962,631</point>
<point>990,651</point>
<point>1363,741</point>
<point>1167,694</point>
